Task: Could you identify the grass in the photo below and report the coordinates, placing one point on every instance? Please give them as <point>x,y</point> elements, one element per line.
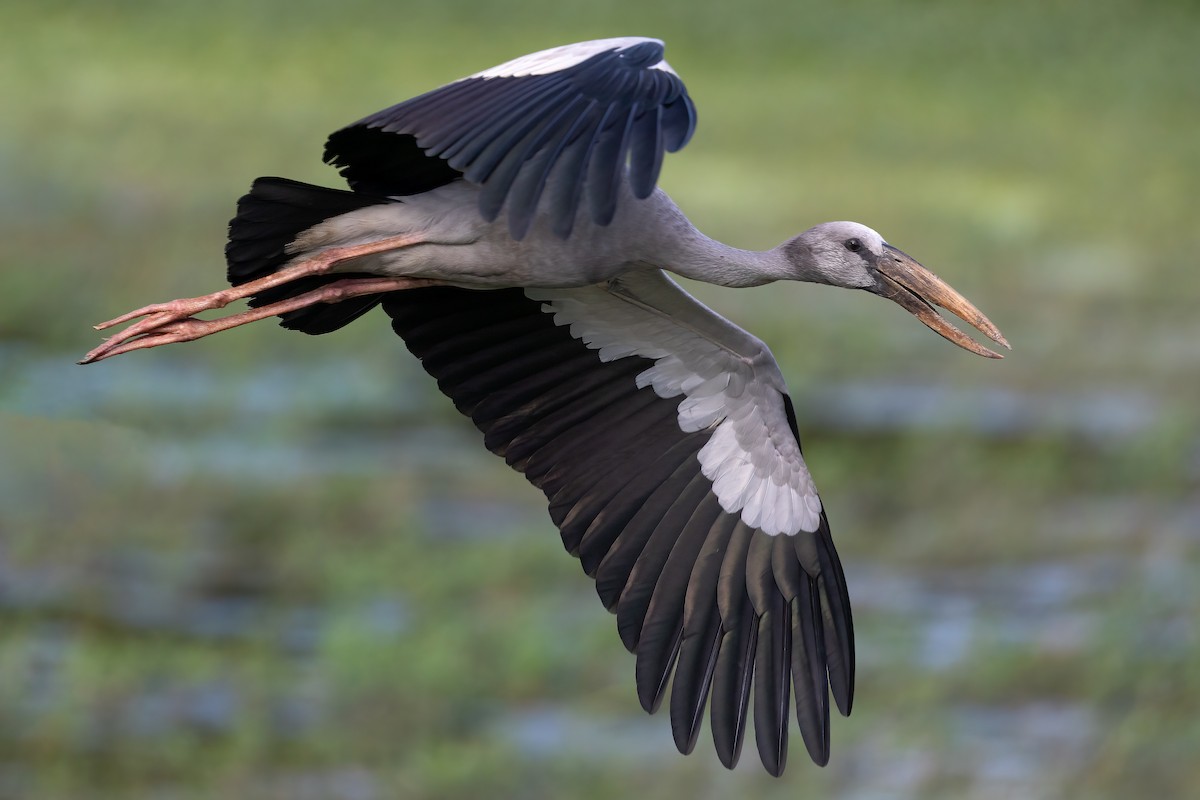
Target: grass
<point>173,628</point>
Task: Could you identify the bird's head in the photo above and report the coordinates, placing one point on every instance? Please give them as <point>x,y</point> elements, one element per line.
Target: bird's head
<point>853,256</point>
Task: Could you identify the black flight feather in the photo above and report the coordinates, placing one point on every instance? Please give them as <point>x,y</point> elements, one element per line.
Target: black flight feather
<point>575,129</point>
<point>728,611</point>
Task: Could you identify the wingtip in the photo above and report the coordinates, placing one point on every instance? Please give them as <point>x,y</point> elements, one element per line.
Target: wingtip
<point>777,763</point>
<point>729,757</point>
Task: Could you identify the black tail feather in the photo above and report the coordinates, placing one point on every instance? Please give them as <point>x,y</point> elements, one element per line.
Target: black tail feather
<point>269,218</point>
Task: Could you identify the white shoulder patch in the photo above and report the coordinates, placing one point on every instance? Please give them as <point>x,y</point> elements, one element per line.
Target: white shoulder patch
<point>751,457</point>
<point>558,58</point>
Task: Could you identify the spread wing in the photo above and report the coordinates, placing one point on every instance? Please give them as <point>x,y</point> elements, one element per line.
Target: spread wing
<point>569,118</point>
<point>665,442</point>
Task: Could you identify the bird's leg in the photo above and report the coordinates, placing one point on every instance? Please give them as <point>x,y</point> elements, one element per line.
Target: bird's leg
<point>189,328</point>
<point>318,264</point>
<point>172,321</point>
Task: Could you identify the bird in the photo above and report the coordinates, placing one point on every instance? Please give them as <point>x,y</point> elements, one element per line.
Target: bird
<point>511,225</point>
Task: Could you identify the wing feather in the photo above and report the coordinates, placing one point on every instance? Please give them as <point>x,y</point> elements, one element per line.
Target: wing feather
<point>731,686</point>
<point>577,118</point>
<point>649,565</point>
<point>662,628</point>
<point>608,398</point>
<point>701,637</point>
<point>613,520</point>
<point>772,684</point>
<point>646,147</point>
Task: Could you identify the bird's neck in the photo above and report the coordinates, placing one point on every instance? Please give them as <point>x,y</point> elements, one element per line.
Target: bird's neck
<point>698,257</point>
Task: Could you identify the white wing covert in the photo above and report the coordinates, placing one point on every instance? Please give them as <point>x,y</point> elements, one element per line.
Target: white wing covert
<point>729,382</point>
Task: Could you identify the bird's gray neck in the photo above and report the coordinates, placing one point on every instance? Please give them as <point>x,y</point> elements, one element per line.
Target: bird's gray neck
<point>698,257</point>
<point>714,262</point>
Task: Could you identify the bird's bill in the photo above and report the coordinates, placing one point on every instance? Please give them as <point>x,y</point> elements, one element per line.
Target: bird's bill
<point>917,290</point>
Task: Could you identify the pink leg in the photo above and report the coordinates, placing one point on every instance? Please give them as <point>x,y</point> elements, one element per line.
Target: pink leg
<point>174,329</point>
<point>316,265</point>
<point>168,319</point>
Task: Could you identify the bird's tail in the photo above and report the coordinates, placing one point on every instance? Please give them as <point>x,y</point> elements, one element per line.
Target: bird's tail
<point>269,218</point>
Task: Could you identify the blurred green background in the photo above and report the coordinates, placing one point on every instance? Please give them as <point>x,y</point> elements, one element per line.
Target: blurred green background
<point>271,565</point>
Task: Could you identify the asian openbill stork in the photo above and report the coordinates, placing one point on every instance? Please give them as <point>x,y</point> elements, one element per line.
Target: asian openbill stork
<point>661,433</point>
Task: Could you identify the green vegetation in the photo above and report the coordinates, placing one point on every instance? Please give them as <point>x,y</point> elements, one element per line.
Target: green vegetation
<point>272,565</point>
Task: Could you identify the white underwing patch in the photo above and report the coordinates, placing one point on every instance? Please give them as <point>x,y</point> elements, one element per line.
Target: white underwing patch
<point>752,456</point>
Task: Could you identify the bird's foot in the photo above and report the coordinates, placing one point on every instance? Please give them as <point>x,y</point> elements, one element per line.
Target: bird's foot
<point>182,308</point>
<point>163,323</point>
<point>166,323</point>
<point>155,330</point>
<point>171,322</point>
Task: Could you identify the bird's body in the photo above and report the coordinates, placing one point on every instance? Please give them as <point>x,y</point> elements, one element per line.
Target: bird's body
<point>461,247</point>
<point>510,225</point>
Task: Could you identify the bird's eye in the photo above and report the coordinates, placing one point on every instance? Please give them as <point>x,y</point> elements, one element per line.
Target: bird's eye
<point>853,245</point>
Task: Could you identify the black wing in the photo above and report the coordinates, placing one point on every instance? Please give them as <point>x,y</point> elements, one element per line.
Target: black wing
<point>568,119</point>
<point>695,590</point>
